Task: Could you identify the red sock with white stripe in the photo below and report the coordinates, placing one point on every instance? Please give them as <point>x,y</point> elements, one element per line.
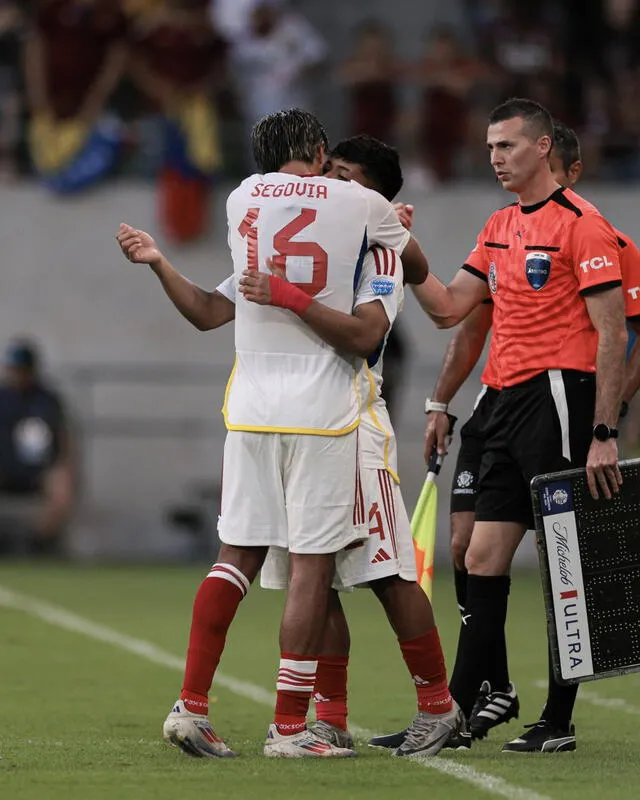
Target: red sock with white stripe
<point>296,678</point>
<point>214,608</point>
<point>330,690</point>
<point>425,661</point>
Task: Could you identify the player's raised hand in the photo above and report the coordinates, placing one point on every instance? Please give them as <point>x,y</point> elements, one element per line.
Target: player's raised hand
<point>405,214</point>
<point>603,472</point>
<point>436,434</point>
<point>138,246</point>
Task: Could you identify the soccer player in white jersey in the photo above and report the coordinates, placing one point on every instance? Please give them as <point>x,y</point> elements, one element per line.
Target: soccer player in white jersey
<point>291,408</point>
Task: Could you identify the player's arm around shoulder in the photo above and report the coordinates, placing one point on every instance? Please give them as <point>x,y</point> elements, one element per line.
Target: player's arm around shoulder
<point>414,262</point>
<point>379,295</point>
<point>358,333</point>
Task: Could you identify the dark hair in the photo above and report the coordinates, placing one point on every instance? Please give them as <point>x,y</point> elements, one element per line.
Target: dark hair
<point>290,135</point>
<point>379,162</point>
<point>537,120</point>
<point>566,144</point>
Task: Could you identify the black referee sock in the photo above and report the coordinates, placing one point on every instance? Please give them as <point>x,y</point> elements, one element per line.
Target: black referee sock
<point>498,675</point>
<point>560,702</point>
<point>481,632</point>
<point>460,582</point>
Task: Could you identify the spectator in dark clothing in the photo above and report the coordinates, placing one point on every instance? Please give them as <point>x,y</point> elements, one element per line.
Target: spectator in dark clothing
<point>74,57</point>
<point>370,74</point>
<point>179,65</point>
<point>36,464</point>
<point>445,75</point>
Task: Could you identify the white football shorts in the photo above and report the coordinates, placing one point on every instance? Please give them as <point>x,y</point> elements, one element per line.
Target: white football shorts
<point>387,550</point>
<point>299,492</point>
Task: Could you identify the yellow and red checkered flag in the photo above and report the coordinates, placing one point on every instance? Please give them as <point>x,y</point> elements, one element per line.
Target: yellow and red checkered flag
<point>424,521</point>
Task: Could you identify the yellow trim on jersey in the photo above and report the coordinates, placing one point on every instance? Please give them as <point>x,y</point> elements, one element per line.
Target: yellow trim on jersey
<point>269,429</point>
<point>378,424</point>
<point>227,389</point>
<point>305,431</point>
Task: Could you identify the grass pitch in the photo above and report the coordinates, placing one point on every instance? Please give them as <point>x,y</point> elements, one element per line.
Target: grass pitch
<point>81,718</point>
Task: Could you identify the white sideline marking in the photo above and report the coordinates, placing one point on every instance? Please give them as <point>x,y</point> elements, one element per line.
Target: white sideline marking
<point>481,780</point>
<point>93,630</point>
<point>595,699</point>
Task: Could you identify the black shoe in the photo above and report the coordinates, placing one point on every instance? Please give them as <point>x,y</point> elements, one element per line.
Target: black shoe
<point>459,740</point>
<point>391,740</point>
<point>543,737</point>
<point>492,708</point>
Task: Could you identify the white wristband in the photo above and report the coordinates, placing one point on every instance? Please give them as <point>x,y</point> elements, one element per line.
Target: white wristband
<point>431,405</point>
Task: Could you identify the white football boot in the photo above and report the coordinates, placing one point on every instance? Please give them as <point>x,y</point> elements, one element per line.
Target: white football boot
<point>429,733</point>
<point>305,744</point>
<point>330,733</point>
<point>193,734</point>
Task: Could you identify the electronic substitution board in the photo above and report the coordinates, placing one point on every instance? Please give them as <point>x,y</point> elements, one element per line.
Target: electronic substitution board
<point>590,561</point>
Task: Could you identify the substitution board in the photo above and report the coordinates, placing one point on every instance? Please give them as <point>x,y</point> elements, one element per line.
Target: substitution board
<point>590,561</point>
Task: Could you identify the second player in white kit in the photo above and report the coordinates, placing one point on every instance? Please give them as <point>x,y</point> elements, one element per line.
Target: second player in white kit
<point>388,547</point>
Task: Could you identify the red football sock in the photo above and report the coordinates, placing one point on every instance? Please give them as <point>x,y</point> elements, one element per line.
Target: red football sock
<point>214,608</point>
<point>330,690</point>
<point>296,677</point>
<point>425,661</point>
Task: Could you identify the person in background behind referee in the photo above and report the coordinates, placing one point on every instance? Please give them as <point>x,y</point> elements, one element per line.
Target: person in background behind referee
<point>550,263</point>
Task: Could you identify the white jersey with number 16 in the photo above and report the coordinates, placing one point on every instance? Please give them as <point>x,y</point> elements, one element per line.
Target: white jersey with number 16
<point>286,379</point>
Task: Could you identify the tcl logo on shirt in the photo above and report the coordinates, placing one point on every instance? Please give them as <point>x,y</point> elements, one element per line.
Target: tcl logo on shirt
<point>634,291</point>
<point>596,263</point>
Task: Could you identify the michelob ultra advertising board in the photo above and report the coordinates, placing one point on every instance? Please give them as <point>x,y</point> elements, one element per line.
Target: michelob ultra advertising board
<point>589,554</point>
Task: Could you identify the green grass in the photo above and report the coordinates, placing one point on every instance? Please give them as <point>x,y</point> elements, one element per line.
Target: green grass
<point>82,718</point>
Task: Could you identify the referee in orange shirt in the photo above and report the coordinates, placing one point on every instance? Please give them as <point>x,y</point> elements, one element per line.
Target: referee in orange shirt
<point>550,263</point>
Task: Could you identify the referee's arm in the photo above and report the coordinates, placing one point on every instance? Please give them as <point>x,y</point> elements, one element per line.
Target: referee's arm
<point>606,309</point>
<point>449,305</point>
<point>463,353</point>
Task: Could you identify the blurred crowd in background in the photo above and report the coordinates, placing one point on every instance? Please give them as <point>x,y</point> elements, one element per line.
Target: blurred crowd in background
<point>170,88</point>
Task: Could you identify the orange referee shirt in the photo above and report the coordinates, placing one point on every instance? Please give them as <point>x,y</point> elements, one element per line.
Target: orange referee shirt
<point>538,261</point>
<point>630,268</point>
<point>490,373</point>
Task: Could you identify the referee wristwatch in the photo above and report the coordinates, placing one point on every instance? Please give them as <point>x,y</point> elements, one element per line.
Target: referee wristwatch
<point>603,432</point>
<point>431,405</point>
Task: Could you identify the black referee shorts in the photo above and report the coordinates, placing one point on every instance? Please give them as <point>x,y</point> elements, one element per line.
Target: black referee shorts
<point>472,440</point>
<point>542,425</point>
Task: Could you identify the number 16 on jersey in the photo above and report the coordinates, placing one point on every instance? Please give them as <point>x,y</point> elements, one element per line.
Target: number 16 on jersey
<point>284,247</point>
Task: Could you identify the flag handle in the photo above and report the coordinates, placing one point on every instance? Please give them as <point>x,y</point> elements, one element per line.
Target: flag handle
<point>435,459</point>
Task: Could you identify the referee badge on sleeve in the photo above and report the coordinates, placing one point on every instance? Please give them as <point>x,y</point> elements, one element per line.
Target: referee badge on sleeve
<point>492,278</point>
<point>382,286</point>
<point>537,269</point>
